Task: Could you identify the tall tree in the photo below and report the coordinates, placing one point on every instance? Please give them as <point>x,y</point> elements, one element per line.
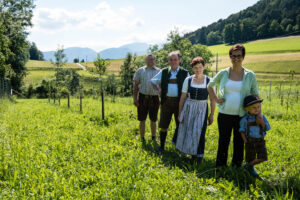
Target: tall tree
<point>15,17</point>
<point>60,57</point>
<point>101,65</point>
<point>127,72</point>
<point>35,53</point>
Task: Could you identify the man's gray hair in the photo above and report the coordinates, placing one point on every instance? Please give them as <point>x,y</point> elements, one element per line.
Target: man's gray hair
<point>150,55</point>
<point>174,53</point>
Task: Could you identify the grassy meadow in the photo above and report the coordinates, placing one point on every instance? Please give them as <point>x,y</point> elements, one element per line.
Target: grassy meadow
<point>52,152</point>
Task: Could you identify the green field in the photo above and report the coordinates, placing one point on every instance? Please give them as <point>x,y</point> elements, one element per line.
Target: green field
<point>52,152</point>
<point>39,70</point>
<point>267,46</point>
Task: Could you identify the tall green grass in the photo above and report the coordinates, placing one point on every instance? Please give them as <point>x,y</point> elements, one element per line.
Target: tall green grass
<point>52,152</point>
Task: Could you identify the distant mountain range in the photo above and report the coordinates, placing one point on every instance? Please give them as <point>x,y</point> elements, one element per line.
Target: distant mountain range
<point>111,53</point>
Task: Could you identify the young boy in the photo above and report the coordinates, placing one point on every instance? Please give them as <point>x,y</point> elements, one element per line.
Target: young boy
<point>253,127</point>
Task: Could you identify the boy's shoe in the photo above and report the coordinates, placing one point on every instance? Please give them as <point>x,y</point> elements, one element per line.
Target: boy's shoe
<point>251,170</point>
<point>246,166</point>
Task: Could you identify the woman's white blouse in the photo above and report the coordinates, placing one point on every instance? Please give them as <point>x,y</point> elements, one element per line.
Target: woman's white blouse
<point>232,98</point>
<point>185,84</point>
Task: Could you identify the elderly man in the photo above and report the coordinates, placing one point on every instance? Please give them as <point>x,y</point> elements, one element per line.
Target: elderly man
<point>145,97</point>
<point>168,83</point>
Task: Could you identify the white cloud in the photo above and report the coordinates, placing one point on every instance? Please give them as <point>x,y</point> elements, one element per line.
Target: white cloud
<point>102,17</point>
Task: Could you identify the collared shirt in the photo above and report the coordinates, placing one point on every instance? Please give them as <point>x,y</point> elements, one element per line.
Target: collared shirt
<point>254,130</point>
<point>144,75</point>
<point>249,86</point>
<point>172,88</point>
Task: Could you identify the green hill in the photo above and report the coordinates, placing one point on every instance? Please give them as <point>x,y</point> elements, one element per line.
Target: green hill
<point>267,46</point>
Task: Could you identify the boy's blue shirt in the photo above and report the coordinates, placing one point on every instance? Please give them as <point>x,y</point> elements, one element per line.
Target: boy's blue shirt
<point>254,130</point>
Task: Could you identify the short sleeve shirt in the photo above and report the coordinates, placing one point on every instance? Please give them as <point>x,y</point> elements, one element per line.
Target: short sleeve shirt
<point>144,75</point>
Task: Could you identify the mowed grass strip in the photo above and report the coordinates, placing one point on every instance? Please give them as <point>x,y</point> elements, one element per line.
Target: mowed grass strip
<point>49,151</point>
<point>266,46</point>
<point>32,64</point>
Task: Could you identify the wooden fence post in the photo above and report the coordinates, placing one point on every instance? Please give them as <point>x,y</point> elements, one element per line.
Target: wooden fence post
<point>270,91</point>
<point>80,97</point>
<point>68,100</point>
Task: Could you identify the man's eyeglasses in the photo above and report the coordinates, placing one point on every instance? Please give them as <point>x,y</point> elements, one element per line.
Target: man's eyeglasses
<point>236,56</point>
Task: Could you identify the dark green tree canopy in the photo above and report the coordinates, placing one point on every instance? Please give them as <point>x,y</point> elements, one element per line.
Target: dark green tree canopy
<point>265,19</point>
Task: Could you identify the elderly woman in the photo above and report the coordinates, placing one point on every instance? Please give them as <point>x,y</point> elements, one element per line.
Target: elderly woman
<point>193,112</point>
<point>234,83</point>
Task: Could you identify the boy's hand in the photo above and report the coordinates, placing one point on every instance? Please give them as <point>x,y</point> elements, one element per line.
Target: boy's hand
<point>244,137</point>
<point>260,120</point>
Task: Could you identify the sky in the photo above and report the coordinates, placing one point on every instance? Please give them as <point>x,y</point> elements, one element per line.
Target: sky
<point>98,24</point>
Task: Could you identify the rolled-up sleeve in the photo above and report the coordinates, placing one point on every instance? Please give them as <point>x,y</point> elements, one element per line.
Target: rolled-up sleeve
<point>216,80</point>
<point>243,125</point>
<point>254,87</point>
<point>268,127</point>
<point>157,78</point>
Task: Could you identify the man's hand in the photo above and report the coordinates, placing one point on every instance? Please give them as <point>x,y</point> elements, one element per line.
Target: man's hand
<point>136,102</point>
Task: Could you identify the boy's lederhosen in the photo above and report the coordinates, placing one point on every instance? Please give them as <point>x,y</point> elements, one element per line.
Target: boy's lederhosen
<point>255,147</point>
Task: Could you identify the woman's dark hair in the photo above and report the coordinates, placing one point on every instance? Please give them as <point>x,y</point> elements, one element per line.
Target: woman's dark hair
<point>237,47</point>
<point>198,60</point>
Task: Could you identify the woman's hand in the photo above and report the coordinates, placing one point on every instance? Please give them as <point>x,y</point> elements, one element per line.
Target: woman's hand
<point>220,100</point>
<point>210,119</point>
<point>180,121</point>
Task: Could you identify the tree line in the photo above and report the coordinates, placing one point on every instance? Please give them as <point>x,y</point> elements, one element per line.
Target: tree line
<point>265,19</point>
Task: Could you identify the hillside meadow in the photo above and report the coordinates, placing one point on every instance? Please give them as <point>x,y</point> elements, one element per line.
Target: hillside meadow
<point>267,46</point>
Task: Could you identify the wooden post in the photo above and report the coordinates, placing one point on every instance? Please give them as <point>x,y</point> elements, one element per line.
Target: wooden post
<point>270,91</point>
<point>68,100</point>
<point>102,99</point>
<point>217,60</point>
<point>80,102</point>
<point>59,100</point>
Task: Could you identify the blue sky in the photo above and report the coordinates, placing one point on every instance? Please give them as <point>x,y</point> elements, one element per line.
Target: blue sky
<point>101,24</point>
